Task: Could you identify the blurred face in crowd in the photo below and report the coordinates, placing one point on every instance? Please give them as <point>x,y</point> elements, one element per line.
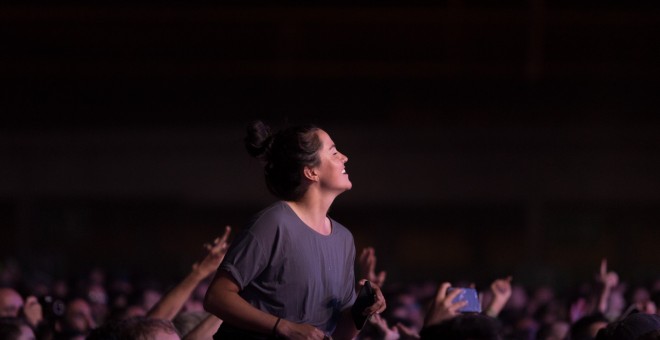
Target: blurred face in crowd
<point>133,311</point>
<point>560,330</point>
<point>518,298</point>
<point>10,302</point>
<point>98,301</point>
<point>406,308</point>
<point>78,317</point>
<point>150,297</point>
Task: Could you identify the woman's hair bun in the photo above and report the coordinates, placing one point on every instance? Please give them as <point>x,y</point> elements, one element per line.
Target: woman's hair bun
<point>258,139</point>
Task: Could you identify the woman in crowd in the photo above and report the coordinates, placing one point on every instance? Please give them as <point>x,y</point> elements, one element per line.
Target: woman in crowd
<point>290,272</point>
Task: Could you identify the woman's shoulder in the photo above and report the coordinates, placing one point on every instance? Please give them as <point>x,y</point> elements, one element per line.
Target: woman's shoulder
<point>275,214</point>
<point>277,210</point>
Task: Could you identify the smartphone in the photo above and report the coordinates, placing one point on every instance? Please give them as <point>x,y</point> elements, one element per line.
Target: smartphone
<point>52,308</point>
<point>366,297</point>
<point>470,295</point>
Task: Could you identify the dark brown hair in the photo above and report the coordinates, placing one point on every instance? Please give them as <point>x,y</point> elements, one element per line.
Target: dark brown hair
<point>285,154</point>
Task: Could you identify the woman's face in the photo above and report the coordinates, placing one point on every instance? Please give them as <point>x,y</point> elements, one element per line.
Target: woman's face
<point>331,170</point>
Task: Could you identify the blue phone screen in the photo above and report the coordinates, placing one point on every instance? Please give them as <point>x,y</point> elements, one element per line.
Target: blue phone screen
<point>469,295</point>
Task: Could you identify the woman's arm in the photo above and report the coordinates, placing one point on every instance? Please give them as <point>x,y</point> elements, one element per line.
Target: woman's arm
<point>223,301</point>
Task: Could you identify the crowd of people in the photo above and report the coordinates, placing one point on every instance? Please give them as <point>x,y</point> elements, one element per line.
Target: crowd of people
<point>99,306</point>
<point>96,306</point>
<point>293,272</point>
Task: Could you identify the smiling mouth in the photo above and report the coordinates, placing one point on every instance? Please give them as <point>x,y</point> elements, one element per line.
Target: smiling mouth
<point>343,171</point>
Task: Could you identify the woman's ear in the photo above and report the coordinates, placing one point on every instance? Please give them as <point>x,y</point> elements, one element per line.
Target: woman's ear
<point>310,174</point>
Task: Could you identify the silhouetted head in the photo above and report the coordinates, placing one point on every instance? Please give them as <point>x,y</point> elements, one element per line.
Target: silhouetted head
<point>11,302</point>
<point>465,327</point>
<point>636,326</point>
<point>588,326</point>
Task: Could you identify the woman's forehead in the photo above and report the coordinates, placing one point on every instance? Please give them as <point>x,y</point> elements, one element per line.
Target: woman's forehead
<point>325,139</point>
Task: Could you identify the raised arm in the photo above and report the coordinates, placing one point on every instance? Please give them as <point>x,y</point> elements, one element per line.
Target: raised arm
<point>609,280</point>
<point>170,305</point>
<point>501,289</point>
<point>367,267</point>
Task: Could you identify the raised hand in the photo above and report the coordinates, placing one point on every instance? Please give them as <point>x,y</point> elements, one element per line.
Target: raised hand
<point>367,267</point>
<point>379,304</point>
<point>33,311</point>
<point>406,333</point>
<point>385,332</point>
<point>501,289</point>
<point>443,307</point>
<point>172,302</point>
<point>609,280</point>
<point>216,253</point>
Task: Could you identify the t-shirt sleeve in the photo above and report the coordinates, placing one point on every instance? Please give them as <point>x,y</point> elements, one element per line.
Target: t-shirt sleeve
<point>246,259</point>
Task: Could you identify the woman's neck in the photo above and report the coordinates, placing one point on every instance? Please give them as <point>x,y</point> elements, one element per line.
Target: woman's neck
<point>313,211</point>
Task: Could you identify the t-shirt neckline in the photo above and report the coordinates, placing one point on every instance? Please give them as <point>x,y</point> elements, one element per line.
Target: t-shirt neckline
<point>332,225</point>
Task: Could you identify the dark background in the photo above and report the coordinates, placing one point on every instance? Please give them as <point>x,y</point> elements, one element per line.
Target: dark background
<point>485,137</point>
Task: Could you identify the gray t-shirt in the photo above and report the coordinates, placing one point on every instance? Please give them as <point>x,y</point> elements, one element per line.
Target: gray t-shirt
<point>286,269</point>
